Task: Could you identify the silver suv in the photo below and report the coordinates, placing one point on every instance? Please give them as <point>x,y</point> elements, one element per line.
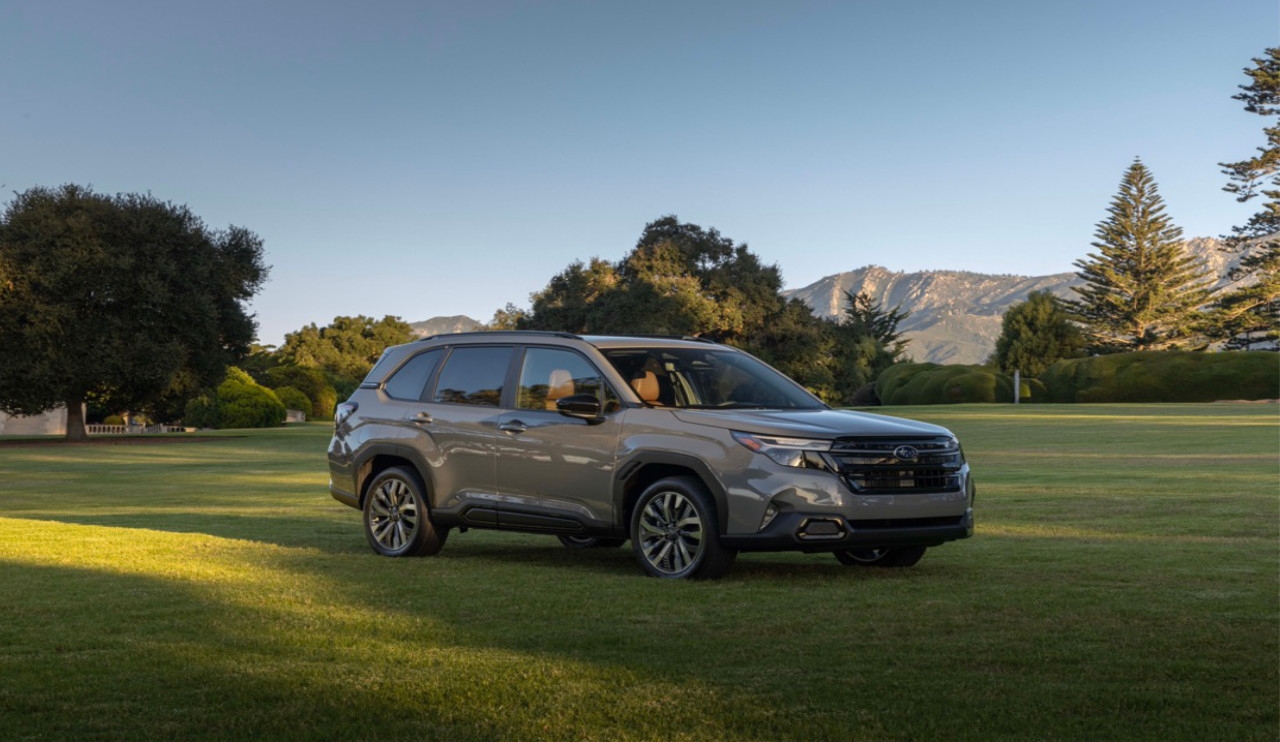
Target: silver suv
<point>691,450</point>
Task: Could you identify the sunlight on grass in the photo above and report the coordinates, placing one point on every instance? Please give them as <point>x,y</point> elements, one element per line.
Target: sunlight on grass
<point>1122,584</point>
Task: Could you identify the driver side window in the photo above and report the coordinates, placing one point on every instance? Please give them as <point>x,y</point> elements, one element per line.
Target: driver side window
<point>550,374</point>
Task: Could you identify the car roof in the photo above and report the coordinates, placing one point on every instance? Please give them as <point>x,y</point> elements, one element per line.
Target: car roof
<point>599,341</point>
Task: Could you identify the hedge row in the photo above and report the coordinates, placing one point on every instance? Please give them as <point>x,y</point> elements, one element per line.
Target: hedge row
<point>1165,376</point>
<point>1153,376</point>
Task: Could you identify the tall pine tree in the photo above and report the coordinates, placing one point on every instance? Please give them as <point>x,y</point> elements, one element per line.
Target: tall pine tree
<point>1141,290</point>
<point>1250,311</point>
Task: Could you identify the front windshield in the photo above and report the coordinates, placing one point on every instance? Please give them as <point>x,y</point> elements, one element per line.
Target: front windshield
<point>714,378</point>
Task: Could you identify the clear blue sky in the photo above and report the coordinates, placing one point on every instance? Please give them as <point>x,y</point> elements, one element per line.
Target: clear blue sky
<point>424,158</point>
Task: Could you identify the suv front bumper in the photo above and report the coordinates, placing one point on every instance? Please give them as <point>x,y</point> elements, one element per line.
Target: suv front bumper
<point>795,531</point>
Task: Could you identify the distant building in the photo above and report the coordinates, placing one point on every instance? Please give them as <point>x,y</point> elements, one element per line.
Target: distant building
<point>53,422</point>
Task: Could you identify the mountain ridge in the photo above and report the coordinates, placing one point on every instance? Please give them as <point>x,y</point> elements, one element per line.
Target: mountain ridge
<point>953,316</point>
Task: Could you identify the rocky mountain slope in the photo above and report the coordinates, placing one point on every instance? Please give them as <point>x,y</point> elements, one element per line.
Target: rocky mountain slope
<point>445,325</point>
<point>954,316</point>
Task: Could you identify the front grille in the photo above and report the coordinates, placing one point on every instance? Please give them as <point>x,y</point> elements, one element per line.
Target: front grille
<point>899,465</point>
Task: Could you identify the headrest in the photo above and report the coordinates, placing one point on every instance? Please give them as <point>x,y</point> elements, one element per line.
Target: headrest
<point>560,385</point>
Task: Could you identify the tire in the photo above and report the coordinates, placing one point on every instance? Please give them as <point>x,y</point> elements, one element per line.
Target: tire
<point>902,556</point>
<point>674,533</point>
<point>397,522</point>
<point>591,542</point>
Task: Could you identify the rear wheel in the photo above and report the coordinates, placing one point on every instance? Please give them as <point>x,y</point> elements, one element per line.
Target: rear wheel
<point>396,520</point>
<point>674,533</point>
<point>902,556</point>
<point>591,542</point>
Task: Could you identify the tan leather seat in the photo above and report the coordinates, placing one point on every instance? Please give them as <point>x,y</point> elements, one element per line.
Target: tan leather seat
<point>646,387</point>
<point>559,386</point>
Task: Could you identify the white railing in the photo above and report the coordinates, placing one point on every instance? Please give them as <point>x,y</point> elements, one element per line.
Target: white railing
<point>99,429</point>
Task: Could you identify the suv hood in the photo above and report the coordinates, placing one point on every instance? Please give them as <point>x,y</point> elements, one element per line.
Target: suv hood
<point>809,423</point>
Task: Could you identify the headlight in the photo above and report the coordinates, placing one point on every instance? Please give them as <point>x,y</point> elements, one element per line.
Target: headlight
<point>805,453</point>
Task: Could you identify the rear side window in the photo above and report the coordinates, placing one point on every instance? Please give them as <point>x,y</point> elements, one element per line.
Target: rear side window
<point>411,380</point>
<point>473,376</point>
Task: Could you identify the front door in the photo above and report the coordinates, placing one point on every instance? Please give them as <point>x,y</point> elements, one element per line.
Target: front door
<point>550,463</point>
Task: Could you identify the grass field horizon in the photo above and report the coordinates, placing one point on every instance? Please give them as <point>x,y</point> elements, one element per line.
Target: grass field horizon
<point>1124,583</point>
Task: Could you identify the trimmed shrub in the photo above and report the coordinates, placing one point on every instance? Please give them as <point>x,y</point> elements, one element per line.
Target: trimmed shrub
<point>293,399</point>
<point>202,412</point>
<point>113,420</point>
<point>244,403</point>
<point>929,383</point>
<point>1165,376</point>
<point>311,382</point>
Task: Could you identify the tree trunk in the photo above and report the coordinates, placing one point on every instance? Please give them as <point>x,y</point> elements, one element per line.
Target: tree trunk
<point>75,420</point>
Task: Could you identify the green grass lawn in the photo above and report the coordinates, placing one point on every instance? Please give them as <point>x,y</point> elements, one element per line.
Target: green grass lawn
<point>1122,585</point>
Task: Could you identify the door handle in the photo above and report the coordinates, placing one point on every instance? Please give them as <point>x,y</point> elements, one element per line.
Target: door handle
<point>422,418</point>
<point>515,426</point>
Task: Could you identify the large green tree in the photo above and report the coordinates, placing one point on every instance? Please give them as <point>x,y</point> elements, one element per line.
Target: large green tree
<point>346,349</point>
<point>126,301</point>
<point>1252,306</point>
<point>1141,291</point>
<point>683,279</point>
<point>1035,334</point>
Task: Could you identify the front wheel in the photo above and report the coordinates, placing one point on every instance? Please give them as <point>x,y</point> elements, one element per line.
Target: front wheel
<point>396,520</point>
<point>902,556</point>
<point>674,534</point>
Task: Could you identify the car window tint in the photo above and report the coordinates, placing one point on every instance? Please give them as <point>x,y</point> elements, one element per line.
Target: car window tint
<point>473,376</point>
<point>549,374</point>
<point>411,379</point>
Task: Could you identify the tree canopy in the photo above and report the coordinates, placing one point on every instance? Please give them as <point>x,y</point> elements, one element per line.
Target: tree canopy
<point>684,279</point>
<point>1035,334</point>
<point>346,349</point>
<point>124,300</point>
<point>1141,290</point>
<point>1253,304</point>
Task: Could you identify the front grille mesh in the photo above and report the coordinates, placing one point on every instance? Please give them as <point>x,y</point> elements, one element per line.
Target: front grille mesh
<point>887,466</point>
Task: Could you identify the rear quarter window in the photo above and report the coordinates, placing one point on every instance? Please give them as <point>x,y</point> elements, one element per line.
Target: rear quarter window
<point>410,380</point>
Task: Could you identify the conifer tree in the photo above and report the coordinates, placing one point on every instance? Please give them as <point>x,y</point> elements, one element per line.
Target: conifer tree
<point>867,318</point>
<point>1141,290</point>
<point>1251,309</point>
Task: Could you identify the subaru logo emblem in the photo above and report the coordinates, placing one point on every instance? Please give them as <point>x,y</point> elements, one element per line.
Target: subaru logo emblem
<point>906,453</point>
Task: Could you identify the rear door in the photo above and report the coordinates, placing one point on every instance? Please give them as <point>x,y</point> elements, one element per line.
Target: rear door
<point>458,425</point>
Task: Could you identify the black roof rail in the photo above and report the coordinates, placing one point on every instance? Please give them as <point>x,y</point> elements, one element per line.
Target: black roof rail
<point>654,336</point>
<point>473,333</point>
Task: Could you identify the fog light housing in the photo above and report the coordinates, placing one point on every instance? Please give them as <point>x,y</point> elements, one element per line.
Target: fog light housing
<point>770,513</point>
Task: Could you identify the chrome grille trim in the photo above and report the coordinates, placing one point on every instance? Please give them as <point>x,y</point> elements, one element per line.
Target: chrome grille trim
<point>869,466</point>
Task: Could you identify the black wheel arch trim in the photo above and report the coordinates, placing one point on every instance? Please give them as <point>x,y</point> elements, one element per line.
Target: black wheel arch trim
<point>629,468</point>
<point>405,453</point>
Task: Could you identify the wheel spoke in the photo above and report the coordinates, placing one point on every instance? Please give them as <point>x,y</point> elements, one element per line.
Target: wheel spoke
<point>669,501</point>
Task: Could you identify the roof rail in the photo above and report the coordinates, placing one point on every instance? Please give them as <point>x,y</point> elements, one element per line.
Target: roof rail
<point>472,333</point>
<point>654,336</point>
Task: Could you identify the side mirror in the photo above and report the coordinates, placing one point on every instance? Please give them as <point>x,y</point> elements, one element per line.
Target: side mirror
<point>583,406</point>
